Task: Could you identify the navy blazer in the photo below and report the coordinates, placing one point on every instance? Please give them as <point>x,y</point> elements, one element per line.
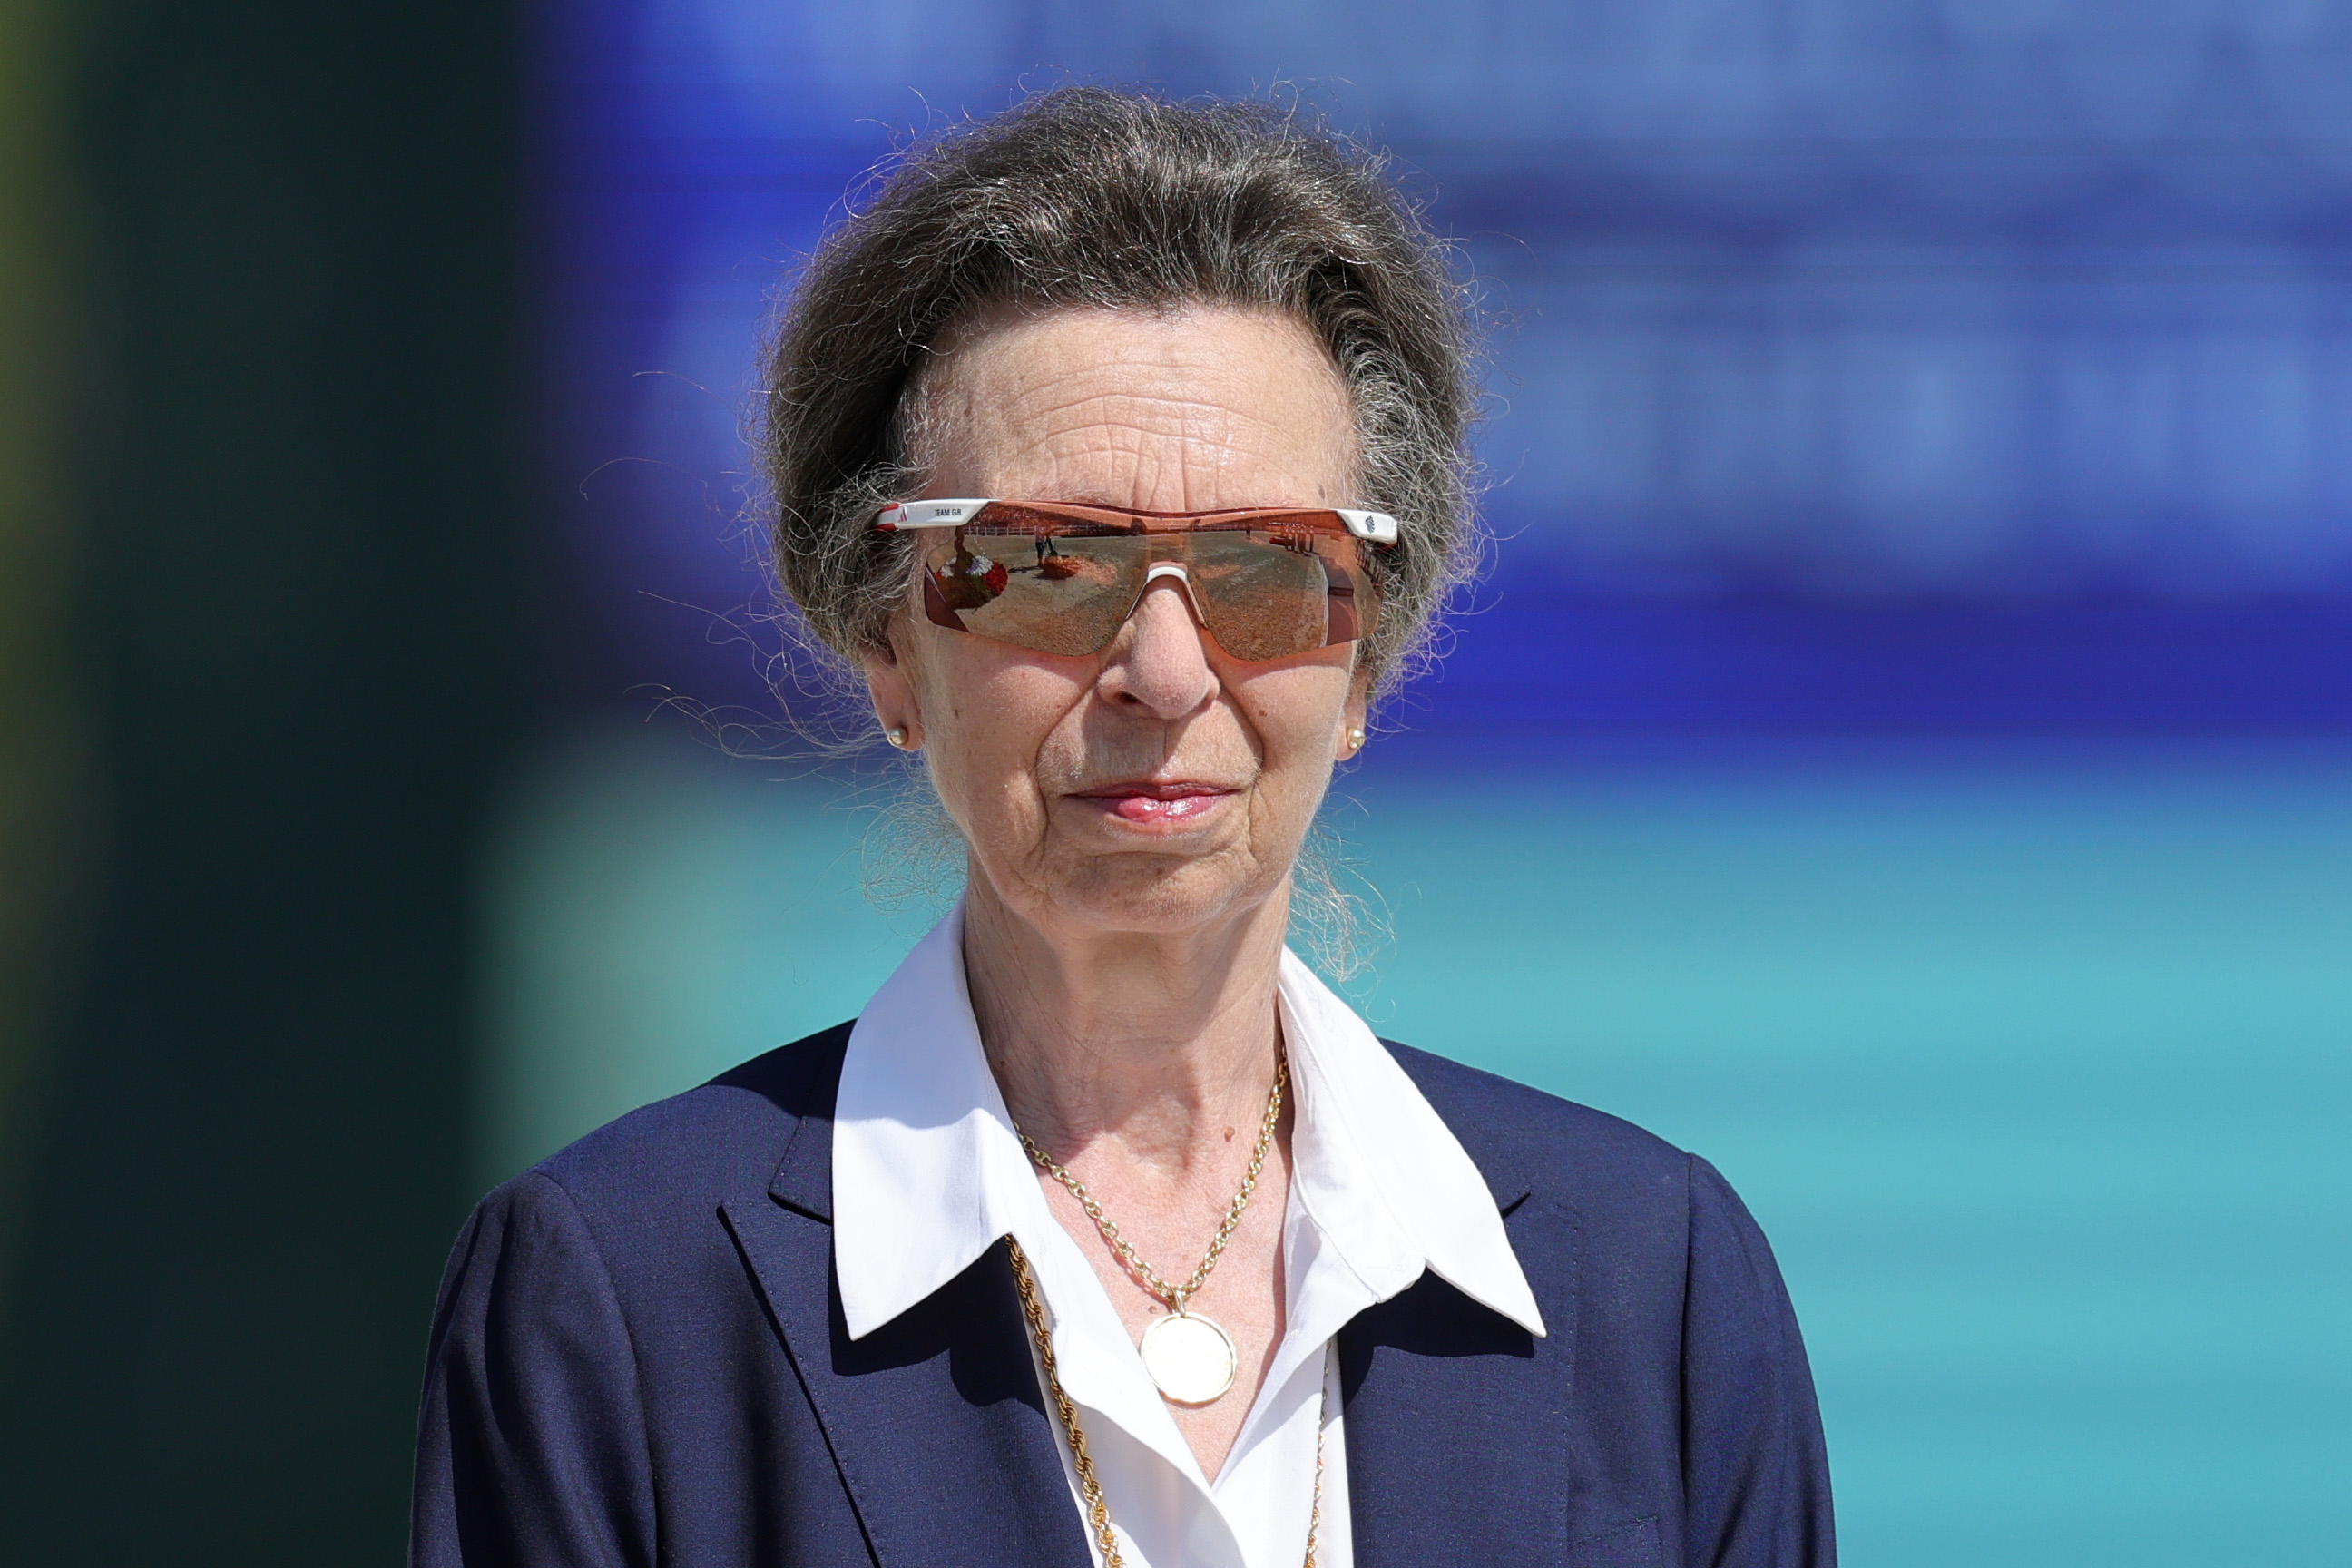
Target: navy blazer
<point>639,1359</point>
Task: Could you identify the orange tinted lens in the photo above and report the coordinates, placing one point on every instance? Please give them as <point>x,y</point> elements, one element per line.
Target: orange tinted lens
<point>1269,595</point>
<point>1041,578</point>
<point>1066,596</point>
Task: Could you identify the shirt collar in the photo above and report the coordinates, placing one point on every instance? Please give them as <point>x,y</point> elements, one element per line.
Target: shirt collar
<point>928,1173</point>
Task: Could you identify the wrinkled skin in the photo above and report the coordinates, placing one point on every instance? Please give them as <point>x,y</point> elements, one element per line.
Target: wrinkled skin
<point>1191,412</point>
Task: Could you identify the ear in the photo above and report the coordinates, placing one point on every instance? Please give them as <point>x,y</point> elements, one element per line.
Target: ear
<point>889,682</point>
<point>1352,713</point>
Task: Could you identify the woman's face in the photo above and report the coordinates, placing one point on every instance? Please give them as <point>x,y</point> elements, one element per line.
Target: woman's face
<point>1159,786</point>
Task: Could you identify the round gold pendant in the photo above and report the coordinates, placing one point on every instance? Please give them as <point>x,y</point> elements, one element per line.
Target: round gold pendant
<point>1190,1358</point>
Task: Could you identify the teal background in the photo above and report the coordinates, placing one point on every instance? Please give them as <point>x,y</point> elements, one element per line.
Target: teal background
<point>2031,1059</point>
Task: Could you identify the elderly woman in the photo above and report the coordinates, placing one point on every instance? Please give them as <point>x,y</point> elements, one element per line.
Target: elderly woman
<point>1119,443</point>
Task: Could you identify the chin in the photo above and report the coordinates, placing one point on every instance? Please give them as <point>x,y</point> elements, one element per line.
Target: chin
<point>1159,895</point>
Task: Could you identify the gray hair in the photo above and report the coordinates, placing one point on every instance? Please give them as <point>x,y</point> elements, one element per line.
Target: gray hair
<point>1084,196</point>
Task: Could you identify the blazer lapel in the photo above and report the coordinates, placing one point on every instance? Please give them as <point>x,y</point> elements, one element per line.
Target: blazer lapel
<point>935,1419</point>
<point>1445,1404</point>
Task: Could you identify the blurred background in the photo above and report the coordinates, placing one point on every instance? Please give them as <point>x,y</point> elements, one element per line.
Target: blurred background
<point>1901,751</point>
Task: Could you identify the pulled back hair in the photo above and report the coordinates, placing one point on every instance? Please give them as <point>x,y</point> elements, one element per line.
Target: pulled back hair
<point>1085,197</point>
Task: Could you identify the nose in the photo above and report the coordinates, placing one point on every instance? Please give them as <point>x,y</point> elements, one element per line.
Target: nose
<point>1158,665</point>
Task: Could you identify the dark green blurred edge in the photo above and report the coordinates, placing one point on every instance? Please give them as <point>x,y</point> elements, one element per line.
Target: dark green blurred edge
<point>264,614</point>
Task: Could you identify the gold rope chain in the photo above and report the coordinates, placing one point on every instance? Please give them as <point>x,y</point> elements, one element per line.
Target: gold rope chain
<point>1145,1275</point>
<point>1090,1488</point>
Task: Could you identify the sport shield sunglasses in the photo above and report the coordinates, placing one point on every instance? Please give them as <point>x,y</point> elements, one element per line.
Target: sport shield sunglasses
<point>1267,581</point>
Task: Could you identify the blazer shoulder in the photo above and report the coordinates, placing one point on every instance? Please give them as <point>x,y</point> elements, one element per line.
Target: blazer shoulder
<point>1523,1138</point>
<point>722,1140</point>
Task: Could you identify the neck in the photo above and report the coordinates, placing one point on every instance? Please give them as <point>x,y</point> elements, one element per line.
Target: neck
<point>1164,1044</point>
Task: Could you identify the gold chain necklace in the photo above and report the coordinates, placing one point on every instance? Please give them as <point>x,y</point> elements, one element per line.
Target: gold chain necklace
<point>1090,1488</point>
<point>1190,1357</point>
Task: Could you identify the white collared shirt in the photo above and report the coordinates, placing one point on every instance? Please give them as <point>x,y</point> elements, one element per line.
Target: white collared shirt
<point>928,1173</point>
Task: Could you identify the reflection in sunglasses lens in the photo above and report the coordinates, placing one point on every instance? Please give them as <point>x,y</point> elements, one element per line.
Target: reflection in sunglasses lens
<point>1262,595</point>
<point>1263,598</point>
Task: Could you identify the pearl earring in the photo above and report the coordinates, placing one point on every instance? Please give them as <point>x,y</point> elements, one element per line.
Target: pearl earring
<point>1355,739</point>
<point>897,735</point>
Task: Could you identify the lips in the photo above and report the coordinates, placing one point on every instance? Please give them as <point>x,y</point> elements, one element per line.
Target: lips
<point>1151,804</point>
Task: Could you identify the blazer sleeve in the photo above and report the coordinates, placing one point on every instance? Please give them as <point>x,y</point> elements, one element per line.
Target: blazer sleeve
<point>532,1447</point>
<point>1756,1483</point>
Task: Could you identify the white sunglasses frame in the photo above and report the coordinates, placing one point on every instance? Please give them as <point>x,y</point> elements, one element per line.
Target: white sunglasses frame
<point>1372,527</point>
